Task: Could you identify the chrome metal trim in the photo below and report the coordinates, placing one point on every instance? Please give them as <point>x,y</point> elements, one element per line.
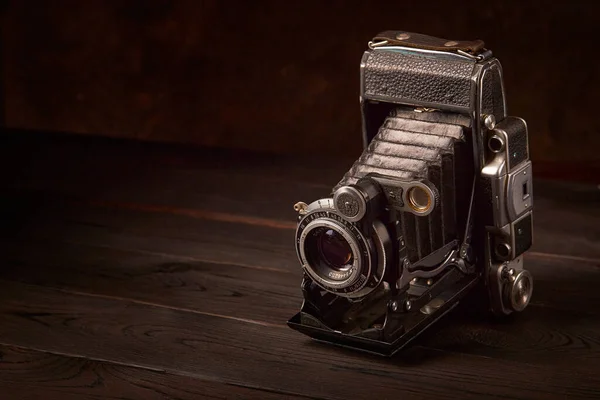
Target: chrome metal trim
<point>415,103</point>
<point>517,202</point>
<point>447,55</point>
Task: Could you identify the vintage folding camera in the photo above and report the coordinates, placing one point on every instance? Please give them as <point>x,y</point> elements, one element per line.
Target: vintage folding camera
<point>439,203</point>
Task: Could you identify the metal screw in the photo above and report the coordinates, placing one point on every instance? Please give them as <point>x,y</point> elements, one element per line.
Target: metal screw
<point>450,43</point>
<point>402,36</point>
<point>489,121</point>
<point>408,305</point>
<point>429,282</point>
<point>394,306</point>
<point>414,280</point>
<point>508,274</point>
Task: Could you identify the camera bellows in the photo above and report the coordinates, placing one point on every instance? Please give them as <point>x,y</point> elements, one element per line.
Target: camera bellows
<point>409,146</point>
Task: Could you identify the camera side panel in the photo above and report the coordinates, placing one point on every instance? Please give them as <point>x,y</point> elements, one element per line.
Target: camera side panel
<point>506,209</point>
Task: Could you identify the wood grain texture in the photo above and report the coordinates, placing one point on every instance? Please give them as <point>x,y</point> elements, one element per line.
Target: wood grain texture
<point>89,263</point>
<point>260,356</point>
<point>27,374</point>
<point>257,293</point>
<point>557,317</point>
<point>252,75</point>
<point>251,187</point>
<point>156,272</point>
<point>43,214</point>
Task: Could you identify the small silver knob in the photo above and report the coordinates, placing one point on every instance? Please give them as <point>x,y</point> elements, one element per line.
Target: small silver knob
<point>518,290</point>
<point>489,121</point>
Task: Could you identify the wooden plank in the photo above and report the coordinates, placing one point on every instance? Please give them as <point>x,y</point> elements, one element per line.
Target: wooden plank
<point>537,336</point>
<point>568,287</point>
<point>250,245</point>
<point>203,239</point>
<point>242,291</point>
<point>31,374</point>
<point>248,242</point>
<point>532,338</point>
<point>245,292</point>
<point>250,187</point>
<point>256,245</point>
<point>567,219</point>
<point>172,175</point>
<point>267,357</point>
<point>218,191</point>
<point>557,313</point>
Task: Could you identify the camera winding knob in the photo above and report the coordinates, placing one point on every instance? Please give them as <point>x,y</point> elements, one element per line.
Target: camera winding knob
<point>518,289</point>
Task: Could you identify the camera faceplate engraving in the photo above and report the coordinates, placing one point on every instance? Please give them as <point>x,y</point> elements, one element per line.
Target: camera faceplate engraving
<point>350,203</point>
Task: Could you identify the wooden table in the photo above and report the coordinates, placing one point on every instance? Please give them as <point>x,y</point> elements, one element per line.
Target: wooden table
<point>146,271</point>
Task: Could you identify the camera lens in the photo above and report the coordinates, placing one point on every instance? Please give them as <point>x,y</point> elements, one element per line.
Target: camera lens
<point>334,249</point>
<point>330,254</point>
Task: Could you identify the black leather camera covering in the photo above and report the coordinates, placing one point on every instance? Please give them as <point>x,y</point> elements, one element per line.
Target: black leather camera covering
<point>492,98</point>
<point>417,79</point>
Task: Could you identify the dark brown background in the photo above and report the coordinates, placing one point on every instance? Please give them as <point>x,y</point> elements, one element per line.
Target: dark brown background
<point>280,76</point>
<point>152,271</point>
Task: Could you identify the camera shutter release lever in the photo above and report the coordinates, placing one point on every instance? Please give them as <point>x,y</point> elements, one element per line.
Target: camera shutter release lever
<point>420,41</point>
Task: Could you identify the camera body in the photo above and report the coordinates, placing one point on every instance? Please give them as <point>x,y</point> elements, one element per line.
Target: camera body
<point>439,202</point>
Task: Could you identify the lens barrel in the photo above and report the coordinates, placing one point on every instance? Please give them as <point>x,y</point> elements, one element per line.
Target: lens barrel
<point>336,255</point>
<point>332,253</point>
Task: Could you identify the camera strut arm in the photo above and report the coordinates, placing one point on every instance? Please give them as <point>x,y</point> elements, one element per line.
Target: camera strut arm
<point>450,254</point>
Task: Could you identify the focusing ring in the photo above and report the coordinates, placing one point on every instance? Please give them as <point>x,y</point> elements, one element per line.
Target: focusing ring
<point>369,255</point>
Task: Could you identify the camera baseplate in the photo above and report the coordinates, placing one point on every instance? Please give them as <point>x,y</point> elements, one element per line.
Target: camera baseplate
<point>406,316</point>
